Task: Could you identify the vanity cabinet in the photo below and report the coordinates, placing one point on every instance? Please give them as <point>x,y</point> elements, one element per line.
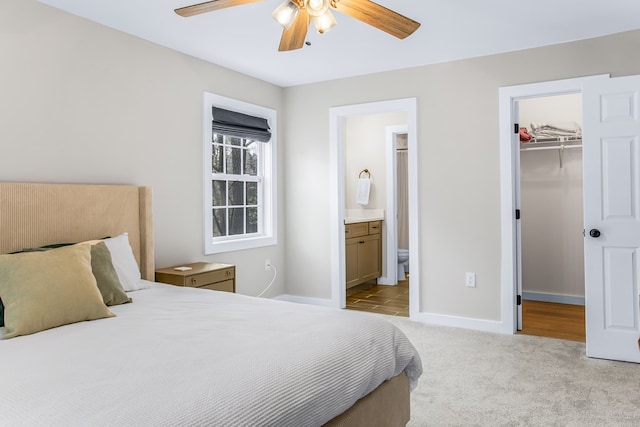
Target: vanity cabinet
<point>363,251</point>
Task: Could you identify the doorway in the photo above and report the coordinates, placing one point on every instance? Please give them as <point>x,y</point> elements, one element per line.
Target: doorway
<point>550,236</point>
<point>387,149</point>
<point>338,120</point>
<point>511,267</point>
<point>611,191</point>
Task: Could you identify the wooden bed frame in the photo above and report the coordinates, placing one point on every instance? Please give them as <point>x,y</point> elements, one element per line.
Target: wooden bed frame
<point>33,215</point>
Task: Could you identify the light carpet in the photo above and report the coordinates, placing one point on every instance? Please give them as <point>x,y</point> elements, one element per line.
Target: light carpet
<point>482,379</point>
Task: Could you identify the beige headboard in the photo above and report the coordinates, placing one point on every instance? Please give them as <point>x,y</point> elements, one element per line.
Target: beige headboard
<point>34,215</point>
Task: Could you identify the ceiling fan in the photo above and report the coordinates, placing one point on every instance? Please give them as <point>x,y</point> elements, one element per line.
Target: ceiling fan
<point>296,15</point>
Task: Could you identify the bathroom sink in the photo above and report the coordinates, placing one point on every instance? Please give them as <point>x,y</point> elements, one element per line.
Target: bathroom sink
<point>363,215</point>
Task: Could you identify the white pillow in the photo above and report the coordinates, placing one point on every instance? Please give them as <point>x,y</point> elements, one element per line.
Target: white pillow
<point>125,263</point>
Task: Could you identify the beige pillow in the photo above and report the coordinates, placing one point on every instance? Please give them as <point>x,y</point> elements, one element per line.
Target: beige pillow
<point>43,290</point>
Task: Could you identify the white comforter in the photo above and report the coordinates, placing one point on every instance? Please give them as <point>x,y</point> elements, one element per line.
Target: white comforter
<point>182,356</point>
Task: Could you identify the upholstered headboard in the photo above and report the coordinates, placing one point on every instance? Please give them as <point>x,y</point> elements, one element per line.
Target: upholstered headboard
<point>34,215</point>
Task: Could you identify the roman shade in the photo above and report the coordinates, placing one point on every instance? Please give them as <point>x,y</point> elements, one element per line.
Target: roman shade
<point>240,125</point>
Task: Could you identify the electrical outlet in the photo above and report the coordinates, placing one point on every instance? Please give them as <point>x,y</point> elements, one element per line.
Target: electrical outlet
<point>470,280</point>
<point>267,264</point>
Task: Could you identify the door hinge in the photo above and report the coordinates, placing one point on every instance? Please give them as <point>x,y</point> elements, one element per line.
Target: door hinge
<point>517,213</point>
<point>519,300</point>
<point>516,128</point>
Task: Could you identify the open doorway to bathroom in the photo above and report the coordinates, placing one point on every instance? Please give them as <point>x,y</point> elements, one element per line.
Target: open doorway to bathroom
<point>341,176</point>
<point>377,263</point>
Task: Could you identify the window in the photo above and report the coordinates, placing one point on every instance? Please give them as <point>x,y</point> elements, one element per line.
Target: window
<point>239,178</point>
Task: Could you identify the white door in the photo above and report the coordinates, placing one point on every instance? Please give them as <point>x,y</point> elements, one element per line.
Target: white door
<point>611,155</point>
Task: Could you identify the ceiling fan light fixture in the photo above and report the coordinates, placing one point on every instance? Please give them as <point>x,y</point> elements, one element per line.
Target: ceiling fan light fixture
<point>317,7</point>
<point>324,22</point>
<point>286,13</point>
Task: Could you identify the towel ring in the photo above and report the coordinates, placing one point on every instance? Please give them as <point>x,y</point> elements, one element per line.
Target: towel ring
<point>365,171</point>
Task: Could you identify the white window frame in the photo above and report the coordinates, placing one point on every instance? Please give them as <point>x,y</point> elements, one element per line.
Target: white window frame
<point>267,228</point>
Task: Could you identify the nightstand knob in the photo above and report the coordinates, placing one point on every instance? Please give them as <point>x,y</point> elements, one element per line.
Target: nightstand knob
<point>193,280</point>
<point>228,273</point>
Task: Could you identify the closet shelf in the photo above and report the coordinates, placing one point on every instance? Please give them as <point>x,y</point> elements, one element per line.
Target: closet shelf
<point>538,143</point>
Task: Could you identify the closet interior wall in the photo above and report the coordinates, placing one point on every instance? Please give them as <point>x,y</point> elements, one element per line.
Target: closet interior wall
<point>552,208</point>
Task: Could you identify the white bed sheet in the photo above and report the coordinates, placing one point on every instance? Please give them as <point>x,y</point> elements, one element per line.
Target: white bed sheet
<point>183,356</point>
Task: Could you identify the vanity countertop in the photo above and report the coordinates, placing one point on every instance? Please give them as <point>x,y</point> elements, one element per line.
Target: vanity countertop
<point>363,215</point>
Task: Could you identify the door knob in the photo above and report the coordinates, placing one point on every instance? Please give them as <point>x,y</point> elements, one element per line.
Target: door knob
<point>594,232</point>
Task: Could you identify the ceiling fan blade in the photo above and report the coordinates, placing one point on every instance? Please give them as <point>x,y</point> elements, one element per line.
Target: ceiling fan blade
<point>377,16</point>
<point>293,38</point>
<point>210,6</point>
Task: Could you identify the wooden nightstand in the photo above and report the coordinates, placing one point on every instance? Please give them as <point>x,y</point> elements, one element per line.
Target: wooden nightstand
<point>203,275</point>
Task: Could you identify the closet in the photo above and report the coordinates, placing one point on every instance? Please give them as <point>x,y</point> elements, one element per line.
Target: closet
<point>551,205</point>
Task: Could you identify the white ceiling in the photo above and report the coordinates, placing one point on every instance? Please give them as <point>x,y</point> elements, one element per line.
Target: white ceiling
<point>245,38</point>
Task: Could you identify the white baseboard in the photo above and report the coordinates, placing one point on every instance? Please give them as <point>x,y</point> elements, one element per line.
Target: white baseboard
<point>429,318</point>
<point>563,299</point>
<point>462,322</point>
<point>386,281</point>
<point>305,300</point>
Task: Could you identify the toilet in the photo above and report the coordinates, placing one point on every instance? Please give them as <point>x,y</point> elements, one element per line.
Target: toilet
<point>403,266</point>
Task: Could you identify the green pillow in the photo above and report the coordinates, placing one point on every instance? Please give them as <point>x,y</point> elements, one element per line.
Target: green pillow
<point>43,290</point>
<point>43,248</point>
<point>106,277</point>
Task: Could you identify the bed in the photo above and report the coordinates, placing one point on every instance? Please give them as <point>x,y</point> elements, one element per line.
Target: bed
<point>176,356</point>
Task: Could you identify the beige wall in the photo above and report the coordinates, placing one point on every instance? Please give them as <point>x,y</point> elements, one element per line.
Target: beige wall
<point>83,103</point>
<point>458,157</point>
<point>366,148</point>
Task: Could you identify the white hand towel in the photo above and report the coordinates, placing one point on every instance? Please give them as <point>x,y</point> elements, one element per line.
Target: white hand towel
<point>362,193</point>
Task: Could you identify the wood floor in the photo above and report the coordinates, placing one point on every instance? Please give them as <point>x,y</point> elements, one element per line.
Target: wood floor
<point>373,298</point>
<point>543,319</point>
<point>553,320</point>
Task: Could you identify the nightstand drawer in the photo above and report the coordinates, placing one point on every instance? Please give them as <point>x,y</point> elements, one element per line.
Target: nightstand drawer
<point>204,275</point>
<point>200,280</point>
<point>226,286</point>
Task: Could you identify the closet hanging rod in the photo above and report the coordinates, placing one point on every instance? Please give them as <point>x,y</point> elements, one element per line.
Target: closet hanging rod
<point>551,147</point>
<point>560,149</point>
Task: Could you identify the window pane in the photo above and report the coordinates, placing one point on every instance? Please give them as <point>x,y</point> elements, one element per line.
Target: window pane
<point>236,193</point>
<point>216,159</point>
<point>251,159</point>
<point>233,140</point>
<point>252,193</point>
<point>219,222</point>
<point>236,221</point>
<point>252,220</point>
<point>218,138</point>
<point>234,159</point>
<point>219,193</point>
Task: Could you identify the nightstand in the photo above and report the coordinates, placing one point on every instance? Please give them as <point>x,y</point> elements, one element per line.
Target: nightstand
<point>203,275</point>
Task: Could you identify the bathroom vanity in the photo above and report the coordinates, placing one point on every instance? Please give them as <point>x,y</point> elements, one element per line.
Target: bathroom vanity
<point>363,250</point>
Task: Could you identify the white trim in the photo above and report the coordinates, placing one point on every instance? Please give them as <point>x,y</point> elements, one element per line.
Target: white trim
<point>305,300</point>
<point>508,96</point>
<point>391,215</point>
<point>460,322</point>
<point>547,297</point>
<point>337,117</point>
<point>269,235</point>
